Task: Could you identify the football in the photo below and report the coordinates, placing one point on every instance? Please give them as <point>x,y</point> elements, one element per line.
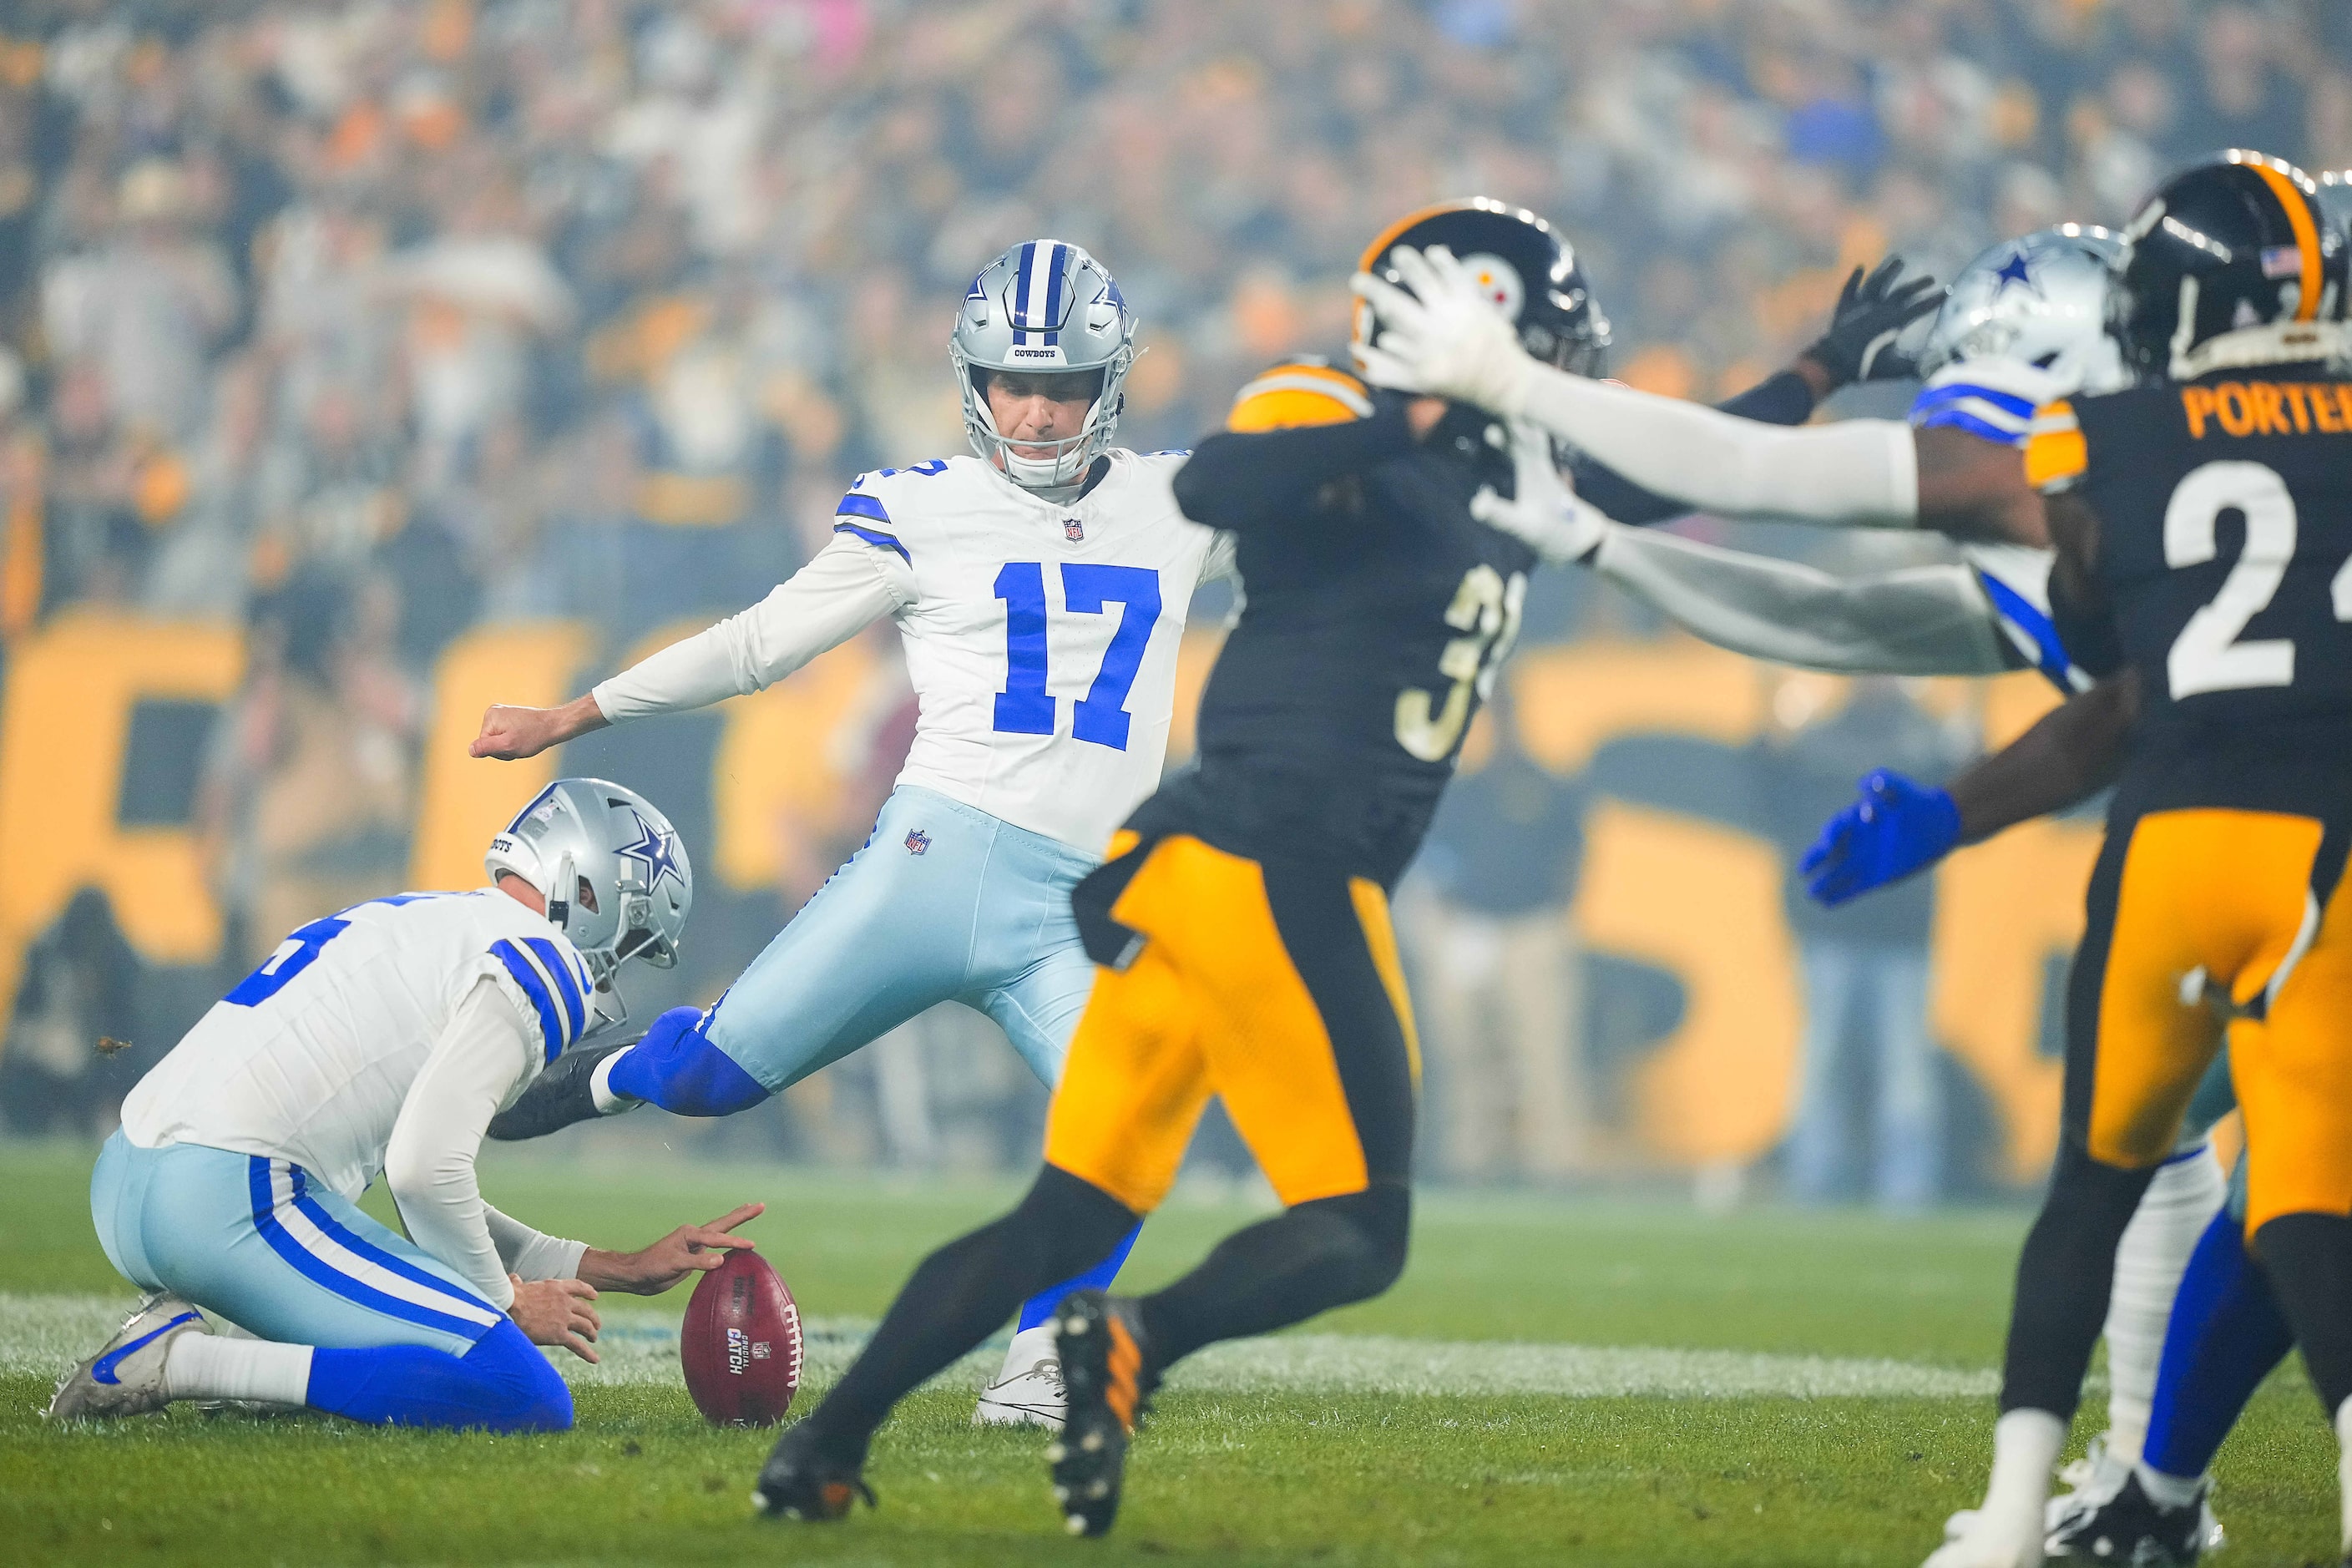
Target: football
<point>740,1344</point>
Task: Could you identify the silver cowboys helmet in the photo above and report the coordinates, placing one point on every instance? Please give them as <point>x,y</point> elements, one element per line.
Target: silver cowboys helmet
<point>2040,301</point>
<point>1045,307</point>
<point>2336,206</point>
<point>2336,199</point>
<point>614,872</point>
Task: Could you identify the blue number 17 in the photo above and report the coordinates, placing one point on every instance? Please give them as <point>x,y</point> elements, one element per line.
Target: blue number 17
<point>1024,707</point>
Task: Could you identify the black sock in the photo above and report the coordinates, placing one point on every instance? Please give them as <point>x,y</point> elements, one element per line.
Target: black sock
<point>1303,1261</point>
<point>2309,1260</point>
<point>960,1294</point>
<point>2063,1277</point>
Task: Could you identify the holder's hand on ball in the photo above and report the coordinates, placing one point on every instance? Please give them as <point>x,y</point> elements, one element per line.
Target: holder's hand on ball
<point>689,1249</point>
<point>557,1313</point>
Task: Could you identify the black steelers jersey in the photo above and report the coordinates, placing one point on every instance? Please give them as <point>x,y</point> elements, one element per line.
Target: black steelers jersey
<point>2224,553</point>
<point>1377,612</point>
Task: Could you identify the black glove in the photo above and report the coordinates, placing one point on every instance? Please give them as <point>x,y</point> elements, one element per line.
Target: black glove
<point>1860,343</point>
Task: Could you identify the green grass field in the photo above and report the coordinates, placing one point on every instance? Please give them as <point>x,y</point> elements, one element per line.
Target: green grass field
<point>1553,1380</point>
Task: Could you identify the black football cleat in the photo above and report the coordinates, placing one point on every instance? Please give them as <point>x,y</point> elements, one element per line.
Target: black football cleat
<point>563,1094</point>
<point>1107,1373</point>
<point>2132,1529</point>
<point>803,1481</point>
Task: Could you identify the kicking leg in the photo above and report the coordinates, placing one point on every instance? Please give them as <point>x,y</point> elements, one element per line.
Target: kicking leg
<point>884,939</point>
<point>1124,1110</point>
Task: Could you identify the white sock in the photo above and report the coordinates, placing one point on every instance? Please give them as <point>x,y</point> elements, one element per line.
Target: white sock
<point>2149,1261</point>
<point>601,1092</point>
<point>2171,1490</point>
<point>2025,1445</point>
<point>2344,1471</point>
<point>200,1367</point>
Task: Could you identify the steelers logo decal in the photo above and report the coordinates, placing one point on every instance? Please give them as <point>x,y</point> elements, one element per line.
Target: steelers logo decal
<point>1499,282</point>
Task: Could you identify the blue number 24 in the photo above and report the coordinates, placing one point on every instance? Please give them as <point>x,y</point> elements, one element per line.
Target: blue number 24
<point>1024,707</point>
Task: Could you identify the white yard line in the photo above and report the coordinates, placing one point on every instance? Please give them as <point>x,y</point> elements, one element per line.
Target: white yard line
<point>43,1334</point>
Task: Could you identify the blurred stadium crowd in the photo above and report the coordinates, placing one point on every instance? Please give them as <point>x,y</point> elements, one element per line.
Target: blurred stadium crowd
<point>365,324</point>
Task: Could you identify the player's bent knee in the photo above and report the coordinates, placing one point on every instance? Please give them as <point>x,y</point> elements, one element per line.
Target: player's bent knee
<point>2086,1190</point>
<point>676,1068</point>
<point>523,1392</point>
<point>1368,1236</point>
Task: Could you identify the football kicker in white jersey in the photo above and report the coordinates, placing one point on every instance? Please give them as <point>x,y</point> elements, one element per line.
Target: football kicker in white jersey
<point>381,1041</point>
<point>1040,588</point>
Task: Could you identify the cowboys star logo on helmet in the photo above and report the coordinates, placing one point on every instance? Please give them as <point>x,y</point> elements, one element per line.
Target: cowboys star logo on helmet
<point>656,850</point>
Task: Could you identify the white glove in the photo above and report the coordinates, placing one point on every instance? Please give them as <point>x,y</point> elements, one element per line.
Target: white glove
<point>1544,512</point>
<point>1444,339</point>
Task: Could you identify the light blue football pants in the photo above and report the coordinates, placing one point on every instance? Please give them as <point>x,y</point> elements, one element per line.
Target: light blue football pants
<point>944,903</point>
<point>399,1337</point>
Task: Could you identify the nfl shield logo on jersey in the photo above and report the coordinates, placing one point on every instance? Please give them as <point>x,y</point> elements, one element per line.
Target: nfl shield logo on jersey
<point>1072,530</point>
<point>917,841</point>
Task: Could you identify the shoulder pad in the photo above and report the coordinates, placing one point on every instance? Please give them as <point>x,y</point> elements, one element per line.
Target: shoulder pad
<point>1990,398</point>
<point>863,513</point>
<point>1299,392</point>
<point>2055,453</point>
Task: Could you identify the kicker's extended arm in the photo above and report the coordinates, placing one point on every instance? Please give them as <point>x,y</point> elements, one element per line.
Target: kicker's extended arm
<point>846,587</point>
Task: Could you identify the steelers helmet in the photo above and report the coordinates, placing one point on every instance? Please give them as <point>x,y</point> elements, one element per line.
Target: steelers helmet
<point>2234,264</point>
<point>1525,266</point>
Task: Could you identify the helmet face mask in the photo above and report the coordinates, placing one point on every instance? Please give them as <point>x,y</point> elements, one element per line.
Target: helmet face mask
<point>2041,300</point>
<point>1042,308</point>
<point>2234,264</point>
<point>614,872</point>
<point>1529,272</point>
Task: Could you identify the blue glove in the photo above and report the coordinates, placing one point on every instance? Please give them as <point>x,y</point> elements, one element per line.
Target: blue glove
<point>1894,829</point>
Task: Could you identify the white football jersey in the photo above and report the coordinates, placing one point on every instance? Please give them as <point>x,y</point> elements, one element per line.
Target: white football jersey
<point>1994,400</point>
<point>310,1057</point>
<point>1041,637</point>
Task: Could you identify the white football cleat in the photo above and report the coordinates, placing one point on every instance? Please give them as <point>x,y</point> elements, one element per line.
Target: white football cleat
<point>126,1376</point>
<point>1028,1392</point>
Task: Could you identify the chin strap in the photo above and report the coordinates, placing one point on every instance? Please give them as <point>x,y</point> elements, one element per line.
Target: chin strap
<point>559,895</point>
